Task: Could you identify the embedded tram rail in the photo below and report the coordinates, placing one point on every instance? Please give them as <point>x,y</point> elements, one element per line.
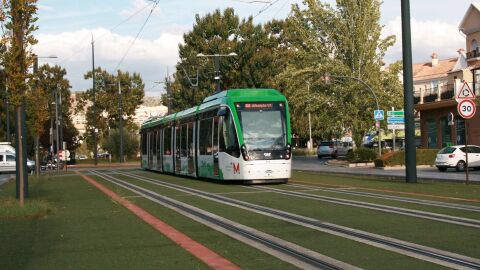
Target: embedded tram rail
<point>389,209</point>
<point>433,255</point>
<point>287,251</point>
<point>392,198</point>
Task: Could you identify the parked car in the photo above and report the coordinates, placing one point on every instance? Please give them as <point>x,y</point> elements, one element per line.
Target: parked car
<point>455,157</point>
<point>82,157</point>
<point>334,149</point>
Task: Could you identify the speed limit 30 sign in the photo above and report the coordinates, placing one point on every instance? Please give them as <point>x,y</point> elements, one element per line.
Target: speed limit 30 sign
<point>466,108</point>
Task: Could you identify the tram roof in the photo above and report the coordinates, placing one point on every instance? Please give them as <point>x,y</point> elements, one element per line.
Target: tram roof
<point>214,100</point>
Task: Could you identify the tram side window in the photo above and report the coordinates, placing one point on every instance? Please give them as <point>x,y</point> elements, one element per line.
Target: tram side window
<point>183,139</point>
<point>228,136</point>
<point>215,134</point>
<point>167,141</point>
<point>144,143</point>
<point>153,145</point>
<point>190,139</point>
<point>205,137</point>
<point>178,132</point>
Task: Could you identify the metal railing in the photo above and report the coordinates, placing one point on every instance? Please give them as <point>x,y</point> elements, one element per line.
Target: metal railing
<point>431,94</point>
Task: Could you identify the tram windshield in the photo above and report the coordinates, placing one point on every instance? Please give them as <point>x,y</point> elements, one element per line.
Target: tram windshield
<point>263,125</point>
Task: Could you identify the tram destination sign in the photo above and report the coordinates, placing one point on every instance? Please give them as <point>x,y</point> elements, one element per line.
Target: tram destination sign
<point>255,106</point>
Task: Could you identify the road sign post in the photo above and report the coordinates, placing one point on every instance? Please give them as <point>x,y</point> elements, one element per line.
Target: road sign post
<point>466,109</point>
<point>379,115</point>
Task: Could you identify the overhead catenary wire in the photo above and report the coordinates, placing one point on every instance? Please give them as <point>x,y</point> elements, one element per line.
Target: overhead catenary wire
<point>87,45</point>
<point>138,34</point>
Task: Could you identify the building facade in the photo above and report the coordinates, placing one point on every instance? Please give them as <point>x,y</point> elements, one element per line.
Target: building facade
<point>437,83</point>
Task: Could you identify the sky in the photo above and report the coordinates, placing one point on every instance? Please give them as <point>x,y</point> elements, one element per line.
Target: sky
<point>66,29</point>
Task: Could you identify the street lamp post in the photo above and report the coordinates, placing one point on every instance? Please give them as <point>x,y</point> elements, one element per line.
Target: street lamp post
<point>216,63</point>
<point>37,135</point>
<point>310,142</point>
<point>376,102</point>
<point>120,119</point>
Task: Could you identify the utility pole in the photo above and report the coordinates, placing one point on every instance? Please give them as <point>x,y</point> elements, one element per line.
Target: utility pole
<point>120,118</point>
<point>410,150</point>
<point>60,119</point>
<point>310,142</point>
<point>95,130</point>
<point>37,135</point>
<point>169,95</point>
<point>7,108</point>
<point>57,124</point>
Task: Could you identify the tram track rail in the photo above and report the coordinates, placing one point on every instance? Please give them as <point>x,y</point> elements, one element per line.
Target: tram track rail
<point>433,255</point>
<point>284,250</point>
<point>378,207</point>
<point>456,206</point>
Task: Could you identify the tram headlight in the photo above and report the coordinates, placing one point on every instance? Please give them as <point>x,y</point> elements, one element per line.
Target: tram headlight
<point>245,153</point>
<point>288,151</point>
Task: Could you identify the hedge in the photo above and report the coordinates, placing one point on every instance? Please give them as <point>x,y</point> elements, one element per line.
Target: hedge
<point>424,157</point>
<point>362,154</point>
<point>304,152</point>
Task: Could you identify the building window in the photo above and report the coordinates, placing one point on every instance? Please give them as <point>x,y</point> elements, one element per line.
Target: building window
<point>431,134</point>
<point>460,128</point>
<point>446,132</point>
<point>474,45</point>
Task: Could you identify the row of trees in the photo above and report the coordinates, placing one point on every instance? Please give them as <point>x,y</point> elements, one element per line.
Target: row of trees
<point>293,55</point>
<point>36,92</point>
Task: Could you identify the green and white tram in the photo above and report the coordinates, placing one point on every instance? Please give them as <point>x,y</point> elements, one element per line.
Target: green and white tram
<point>239,134</point>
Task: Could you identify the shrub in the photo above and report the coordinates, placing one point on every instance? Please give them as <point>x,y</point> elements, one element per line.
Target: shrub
<point>362,154</point>
<point>304,152</point>
<point>424,157</point>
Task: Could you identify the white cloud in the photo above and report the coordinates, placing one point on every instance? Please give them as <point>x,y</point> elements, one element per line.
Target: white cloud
<point>45,8</point>
<point>427,37</point>
<point>147,57</point>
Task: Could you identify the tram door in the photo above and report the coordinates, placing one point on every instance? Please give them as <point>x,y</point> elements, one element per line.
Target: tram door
<point>215,145</point>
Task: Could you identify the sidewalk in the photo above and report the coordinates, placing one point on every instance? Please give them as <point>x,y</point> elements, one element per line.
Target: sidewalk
<point>430,173</point>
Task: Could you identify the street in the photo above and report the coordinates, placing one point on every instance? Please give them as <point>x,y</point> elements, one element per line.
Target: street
<point>312,163</point>
<point>4,178</point>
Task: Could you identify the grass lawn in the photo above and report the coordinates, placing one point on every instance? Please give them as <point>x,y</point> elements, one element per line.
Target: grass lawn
<point>86,231</point>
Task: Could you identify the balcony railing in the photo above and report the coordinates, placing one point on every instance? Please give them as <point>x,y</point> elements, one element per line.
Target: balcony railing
<point>473,54</point>
<point>431,94</point>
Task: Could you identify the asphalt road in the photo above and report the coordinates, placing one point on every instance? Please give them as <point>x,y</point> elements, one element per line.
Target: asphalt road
<point>4,178</point>
<point>431,173</point>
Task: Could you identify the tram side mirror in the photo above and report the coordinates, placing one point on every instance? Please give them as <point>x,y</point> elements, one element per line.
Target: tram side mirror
<point>222,112</point>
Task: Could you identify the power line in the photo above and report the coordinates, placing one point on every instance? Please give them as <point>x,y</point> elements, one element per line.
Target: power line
<point>138,34</point>
<point>265,8</point>
<point>82,48</point>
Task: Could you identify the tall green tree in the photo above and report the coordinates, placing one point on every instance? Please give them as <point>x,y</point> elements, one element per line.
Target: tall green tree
<point>344,40</point>
<point>107,113</point>
<point>258,61</point>
<point>51,80</point>
<point>19,16</point>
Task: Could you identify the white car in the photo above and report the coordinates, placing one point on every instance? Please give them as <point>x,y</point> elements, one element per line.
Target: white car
<point>455,157</point>
<point>334,149</point>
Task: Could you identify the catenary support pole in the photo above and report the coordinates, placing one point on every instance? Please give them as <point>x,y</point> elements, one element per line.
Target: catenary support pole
<point>410,150</point>
<point>94,107</point>
<point>120,119</point>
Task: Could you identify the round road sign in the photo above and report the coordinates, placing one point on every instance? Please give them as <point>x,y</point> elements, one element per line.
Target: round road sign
<point>466,108</point>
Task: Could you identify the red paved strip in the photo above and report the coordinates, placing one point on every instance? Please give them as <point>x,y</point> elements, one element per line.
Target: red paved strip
<point>198,250</point>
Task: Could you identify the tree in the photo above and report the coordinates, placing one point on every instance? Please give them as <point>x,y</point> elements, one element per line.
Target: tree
<point>130,143</point>
<point>259,49</point>
<point>345,41</point>
<point>20,25</point>
<point>51,80</point>
<point>132,89</point>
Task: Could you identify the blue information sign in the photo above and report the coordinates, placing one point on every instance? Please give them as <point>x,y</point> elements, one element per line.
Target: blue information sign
<point>378,115</point>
